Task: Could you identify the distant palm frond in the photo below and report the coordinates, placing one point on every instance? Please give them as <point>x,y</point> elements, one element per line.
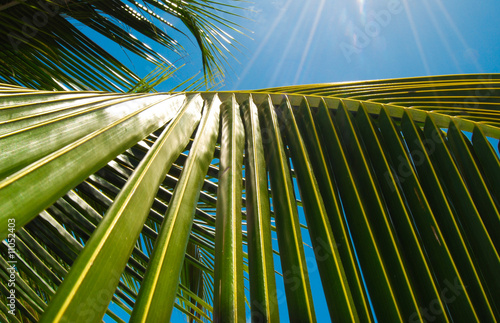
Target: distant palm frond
<point>45,44</point>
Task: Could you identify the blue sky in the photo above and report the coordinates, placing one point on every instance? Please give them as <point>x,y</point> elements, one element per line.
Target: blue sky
<point>320,41</point>
<point>316,41</point>
<point>292,42</point>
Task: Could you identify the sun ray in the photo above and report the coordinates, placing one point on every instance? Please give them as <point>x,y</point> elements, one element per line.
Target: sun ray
<point>290,42</point>
<point>417,37</point>
<point>361,9</point>
<point>309,41</point>
<point>263,42</point>
<point>443,38</point>
<point>457,32</point>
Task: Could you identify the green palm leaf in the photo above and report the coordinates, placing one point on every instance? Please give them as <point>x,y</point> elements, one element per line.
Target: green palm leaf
<point>159,201</point>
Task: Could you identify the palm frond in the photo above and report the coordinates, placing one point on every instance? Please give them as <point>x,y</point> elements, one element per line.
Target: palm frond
<point>165,202</point>
<point>44,44</point>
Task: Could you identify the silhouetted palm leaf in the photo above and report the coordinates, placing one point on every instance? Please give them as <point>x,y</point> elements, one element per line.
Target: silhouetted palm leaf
<point>42,45</point>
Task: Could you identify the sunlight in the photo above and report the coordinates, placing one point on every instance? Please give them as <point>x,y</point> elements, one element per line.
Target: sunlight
<point>263,43</point>
<point>443,38</point>
<point>309,41</point>
<point>290,43</point>
<point>417,37</point>
<point>361,9</point>
<point>457,32</point>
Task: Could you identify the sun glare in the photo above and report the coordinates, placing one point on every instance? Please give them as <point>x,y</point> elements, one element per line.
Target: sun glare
<point>298,27</point>
<point>309,41</point>
<point>361,8</point>
<point>417,37</point>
